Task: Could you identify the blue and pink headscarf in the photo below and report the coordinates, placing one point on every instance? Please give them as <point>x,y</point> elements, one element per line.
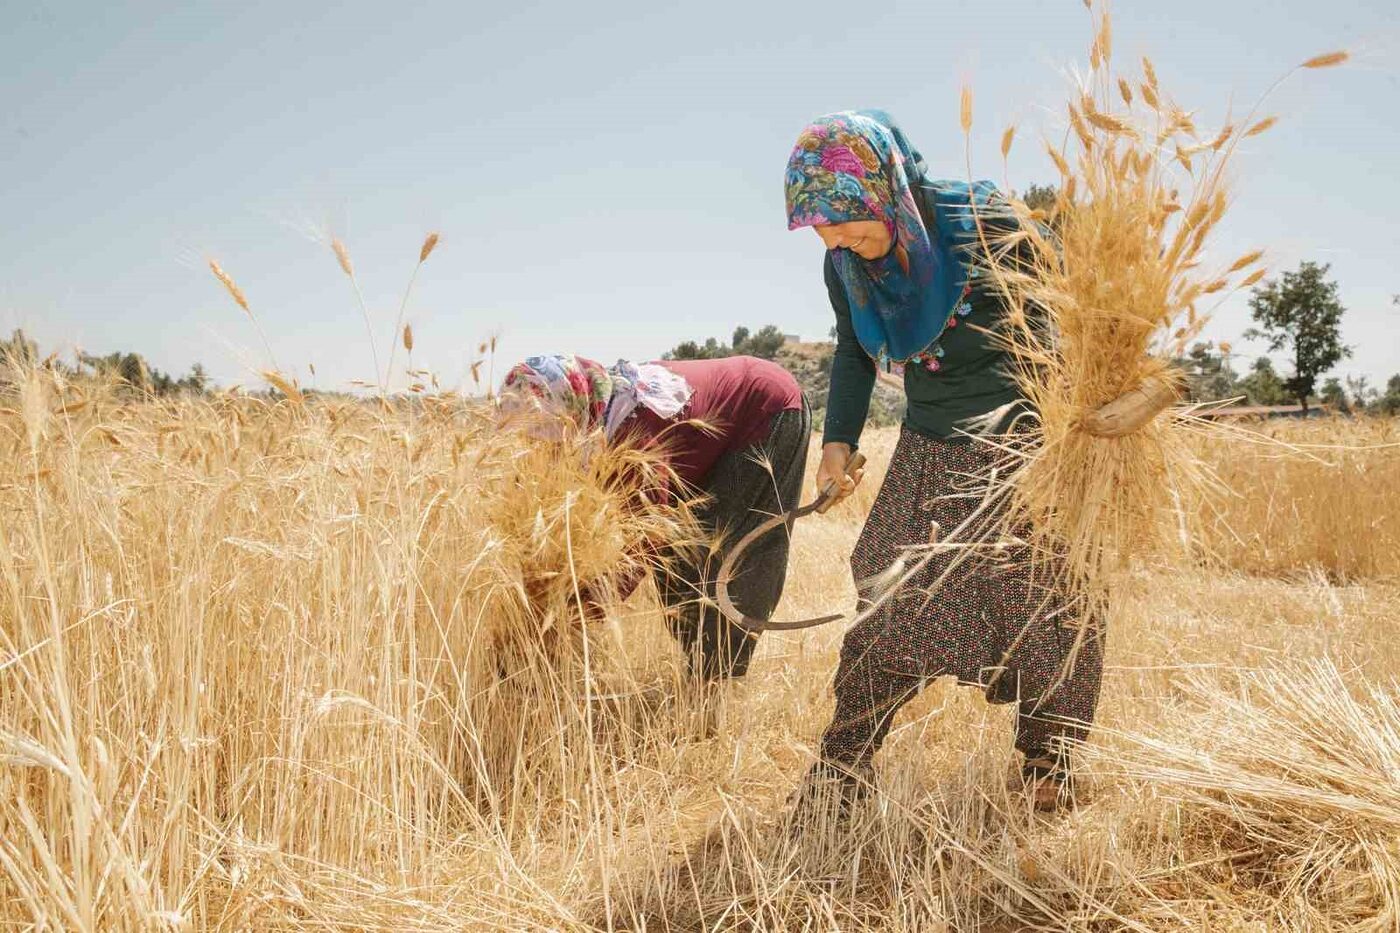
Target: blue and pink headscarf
<point>858,165</point>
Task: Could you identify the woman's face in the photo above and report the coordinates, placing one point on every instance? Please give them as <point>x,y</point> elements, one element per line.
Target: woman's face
<point>868,239</point>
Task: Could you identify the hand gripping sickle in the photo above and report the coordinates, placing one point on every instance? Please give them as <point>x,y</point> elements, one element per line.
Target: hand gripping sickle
<point>784,521</point>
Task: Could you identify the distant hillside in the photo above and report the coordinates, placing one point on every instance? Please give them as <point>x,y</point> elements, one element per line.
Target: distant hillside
<point>811,364</point>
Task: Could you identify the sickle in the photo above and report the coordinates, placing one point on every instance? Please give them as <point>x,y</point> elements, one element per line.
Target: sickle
<point>785,520</point>
<point>874,591</point>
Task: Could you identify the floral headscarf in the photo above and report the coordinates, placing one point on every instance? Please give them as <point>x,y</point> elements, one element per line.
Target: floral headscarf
<point>858,165</point>
<point>594,396</point>
<point>581,386</point>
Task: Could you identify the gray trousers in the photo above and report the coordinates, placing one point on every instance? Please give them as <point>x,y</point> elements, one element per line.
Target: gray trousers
<point>743,493</point>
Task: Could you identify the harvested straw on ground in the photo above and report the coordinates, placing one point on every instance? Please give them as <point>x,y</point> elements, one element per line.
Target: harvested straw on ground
<point>241,689</point>
<point>1289,778</point>
<point>1106,287</point>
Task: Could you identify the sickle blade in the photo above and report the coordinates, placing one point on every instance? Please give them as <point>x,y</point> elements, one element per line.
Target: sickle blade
<point>731,560</point>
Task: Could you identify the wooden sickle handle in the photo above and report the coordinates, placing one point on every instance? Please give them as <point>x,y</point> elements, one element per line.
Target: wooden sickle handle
<point>856,461</point>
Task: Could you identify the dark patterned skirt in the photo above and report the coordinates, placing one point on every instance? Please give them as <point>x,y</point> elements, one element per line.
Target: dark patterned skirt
<point>988,618</point>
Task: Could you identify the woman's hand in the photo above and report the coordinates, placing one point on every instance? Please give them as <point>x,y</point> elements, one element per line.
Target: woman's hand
<point>832,471</point>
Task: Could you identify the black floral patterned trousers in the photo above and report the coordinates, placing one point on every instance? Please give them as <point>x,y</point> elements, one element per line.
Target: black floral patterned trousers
<point>993,620</point>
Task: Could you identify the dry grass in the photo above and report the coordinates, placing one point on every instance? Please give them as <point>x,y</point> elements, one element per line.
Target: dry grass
<point>1313,496</point>
<point>251,647</point>
<point>279,665</point>
<point>270,666</point>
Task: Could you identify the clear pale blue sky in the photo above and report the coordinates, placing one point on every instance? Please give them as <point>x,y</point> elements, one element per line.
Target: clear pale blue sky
<point>606,177</point>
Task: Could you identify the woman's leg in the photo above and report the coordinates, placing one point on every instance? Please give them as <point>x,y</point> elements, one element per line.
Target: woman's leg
<point>1050,666</point>
<point>886,658</point>
<point>986,621</point>
<point>867,698</point>
<point>1064,678</point>
<point>680,584</point>
<point>747,487</point>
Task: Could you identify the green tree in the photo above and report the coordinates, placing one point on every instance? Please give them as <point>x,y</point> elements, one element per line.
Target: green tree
<point>690,350</point>
<point>1333,394</point>
<point>196,381</point>
<point>127,369</point>
<point>1264,386</point>
<point>19,349</point>
<point>763,344</point>
<point>1302,314</point>
<point>1040,197</point>
<point>685,350</point>
<point>131,372</point>
<point>1389,402</point>
<point>1363,394</point>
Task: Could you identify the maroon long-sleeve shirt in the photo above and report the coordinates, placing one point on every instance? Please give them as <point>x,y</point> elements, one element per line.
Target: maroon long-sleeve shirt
<point>734,400</point>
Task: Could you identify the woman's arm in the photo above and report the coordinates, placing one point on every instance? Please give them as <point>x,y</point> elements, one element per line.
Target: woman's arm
<point>847,399</point>
<point>852,373</point>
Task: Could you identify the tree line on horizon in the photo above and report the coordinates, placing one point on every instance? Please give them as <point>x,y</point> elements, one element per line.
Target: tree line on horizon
<point>127,371</point>
<point>1300,313</point>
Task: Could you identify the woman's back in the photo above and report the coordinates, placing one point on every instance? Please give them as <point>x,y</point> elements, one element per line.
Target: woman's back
<point>733,400</point>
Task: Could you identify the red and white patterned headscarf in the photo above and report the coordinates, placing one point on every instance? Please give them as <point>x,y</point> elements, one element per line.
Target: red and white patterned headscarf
<point>581,386</point>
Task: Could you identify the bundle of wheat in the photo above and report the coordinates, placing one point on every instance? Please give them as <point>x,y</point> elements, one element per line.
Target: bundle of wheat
<point>1105,288</point>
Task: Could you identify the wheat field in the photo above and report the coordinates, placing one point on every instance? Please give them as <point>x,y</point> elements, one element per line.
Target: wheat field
<point>310,664</point>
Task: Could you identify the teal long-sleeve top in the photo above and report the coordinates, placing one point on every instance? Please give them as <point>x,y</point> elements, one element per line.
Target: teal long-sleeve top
<point>974,377</point>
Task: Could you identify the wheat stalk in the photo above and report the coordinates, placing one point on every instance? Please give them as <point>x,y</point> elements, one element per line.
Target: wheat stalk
<point>342,256</point>
<point>241,300</point>
<point>1328,60</point>
<point>1122,288</point>
<point>429,244</point>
